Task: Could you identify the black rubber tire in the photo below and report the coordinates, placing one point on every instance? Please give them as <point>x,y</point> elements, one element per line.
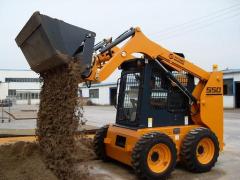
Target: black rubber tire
<point>98,142</point>
<point>188,153</point>
<point>140,154</point>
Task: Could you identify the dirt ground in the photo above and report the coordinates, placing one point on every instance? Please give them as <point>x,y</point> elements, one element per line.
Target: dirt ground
<point>23,161</point>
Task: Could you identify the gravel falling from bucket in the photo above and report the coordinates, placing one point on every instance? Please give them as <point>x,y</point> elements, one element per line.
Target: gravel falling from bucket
<point>57,119</point>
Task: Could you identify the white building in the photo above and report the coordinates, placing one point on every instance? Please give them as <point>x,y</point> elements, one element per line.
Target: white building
<point>22,86</point>
<point>231,88</point>
<point>103,93</point>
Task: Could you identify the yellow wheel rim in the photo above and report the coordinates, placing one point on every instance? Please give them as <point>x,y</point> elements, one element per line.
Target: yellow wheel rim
<point>205,151</point>
<point>159,158</point>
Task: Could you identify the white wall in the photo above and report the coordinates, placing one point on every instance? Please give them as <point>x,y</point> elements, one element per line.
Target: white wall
<point>228,101</point>
<point>25,101</point>
<point>104,94</point>
<point>235,76</point>
<point>4,87</point>
<point>3,90</point>
<point>24,85</point>
<point>11,73</point>
<point>85,92</point>
<point>18,86</point>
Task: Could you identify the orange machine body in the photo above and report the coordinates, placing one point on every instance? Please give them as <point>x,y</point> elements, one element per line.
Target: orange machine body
<point>132,136</point>
<point>208,93</point>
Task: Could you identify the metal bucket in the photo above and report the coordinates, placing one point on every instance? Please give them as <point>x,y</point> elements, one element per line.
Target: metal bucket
<point>47,43</point>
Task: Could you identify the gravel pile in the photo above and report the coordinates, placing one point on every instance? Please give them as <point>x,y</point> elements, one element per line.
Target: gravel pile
<point>58,119</point>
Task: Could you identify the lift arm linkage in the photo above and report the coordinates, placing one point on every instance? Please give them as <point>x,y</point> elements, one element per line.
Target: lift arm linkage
<point>171,77</point>
<point>110,57</point>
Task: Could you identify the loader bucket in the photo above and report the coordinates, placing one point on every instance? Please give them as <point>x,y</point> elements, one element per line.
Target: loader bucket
<point>47,43</point>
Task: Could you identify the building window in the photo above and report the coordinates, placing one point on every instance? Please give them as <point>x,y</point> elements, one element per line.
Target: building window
<point>35,95</point>
<point>94,93</point>
<point>80,93</point>
<point>12,92</point>
<point>22,80</point>
<point>27,95</point>
<point>228,87</point>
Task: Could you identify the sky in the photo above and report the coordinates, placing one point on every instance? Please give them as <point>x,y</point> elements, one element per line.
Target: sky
<point>207,32</point>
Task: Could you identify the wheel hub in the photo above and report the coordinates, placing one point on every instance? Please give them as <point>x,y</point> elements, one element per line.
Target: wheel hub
<point>159,158</point>
<point>205,151</point>
<point>155,156</point>
<point>200,150</point>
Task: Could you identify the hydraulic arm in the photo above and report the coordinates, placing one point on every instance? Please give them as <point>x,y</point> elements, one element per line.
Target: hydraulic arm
<point>111,57</point>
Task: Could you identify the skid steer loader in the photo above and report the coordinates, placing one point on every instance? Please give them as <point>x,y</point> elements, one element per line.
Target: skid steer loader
<point>169,110</point>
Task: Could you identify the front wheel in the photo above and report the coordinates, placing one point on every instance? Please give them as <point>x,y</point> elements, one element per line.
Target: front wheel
<point>154,156</point>
<point>98,142</point>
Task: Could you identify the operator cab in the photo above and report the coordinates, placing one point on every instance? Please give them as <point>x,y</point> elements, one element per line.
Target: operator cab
<point>147,98</point>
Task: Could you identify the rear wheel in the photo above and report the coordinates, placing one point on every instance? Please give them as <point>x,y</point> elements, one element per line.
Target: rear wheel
<point>154,156</point>
<point>99,146</point>
<point>200,150</point>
